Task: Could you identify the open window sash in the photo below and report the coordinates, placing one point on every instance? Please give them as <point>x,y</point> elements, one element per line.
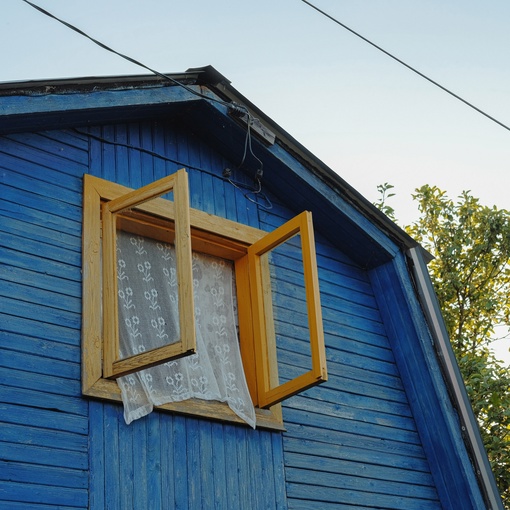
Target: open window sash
<point>269,391</point>
<point>113,366</point>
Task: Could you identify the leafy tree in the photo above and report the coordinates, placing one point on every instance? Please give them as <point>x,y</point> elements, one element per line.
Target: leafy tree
<point>382,204</point>
<point>471,277</point>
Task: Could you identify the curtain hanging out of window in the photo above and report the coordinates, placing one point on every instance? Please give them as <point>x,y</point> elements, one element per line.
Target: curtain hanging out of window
<point>148,318</point>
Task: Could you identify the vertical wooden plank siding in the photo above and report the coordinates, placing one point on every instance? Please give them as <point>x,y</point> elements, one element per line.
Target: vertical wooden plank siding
<point>97,457</point>
<point>221,465</point>
<point>439,425</point>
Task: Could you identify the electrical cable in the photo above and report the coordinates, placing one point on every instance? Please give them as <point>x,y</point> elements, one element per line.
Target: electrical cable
<point>142,150</point>
<point>251,190</point>
<point>414,70</point>
<point>232,105</point>
<point>257,191</point>
<point>238,107</point>
<point>247,145</point>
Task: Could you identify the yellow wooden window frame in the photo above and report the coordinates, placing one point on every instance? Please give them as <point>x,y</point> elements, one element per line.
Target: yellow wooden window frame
<point>142,212</point>
<point>186,345</point>
<point>270,391</point>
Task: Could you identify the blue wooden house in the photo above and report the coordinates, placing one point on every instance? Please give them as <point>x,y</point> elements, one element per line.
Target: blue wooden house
<point>357,399</point>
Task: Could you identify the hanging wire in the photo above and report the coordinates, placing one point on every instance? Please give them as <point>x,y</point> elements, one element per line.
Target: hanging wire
<point>241,108</point>
<point>142,150</point>
<point>235,107</point>
<point>424,76</point>
<point>260,198</point>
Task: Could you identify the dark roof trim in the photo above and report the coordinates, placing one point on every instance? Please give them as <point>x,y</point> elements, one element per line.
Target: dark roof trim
<point>430,306</point>
<point>331,178</point>
<point>214,81</point>
<point>91,83</point>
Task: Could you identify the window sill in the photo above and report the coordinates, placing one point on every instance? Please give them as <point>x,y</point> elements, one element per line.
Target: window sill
<point>266,418</point>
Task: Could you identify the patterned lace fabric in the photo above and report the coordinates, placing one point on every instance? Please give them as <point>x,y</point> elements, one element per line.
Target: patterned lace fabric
<point>148,318</point>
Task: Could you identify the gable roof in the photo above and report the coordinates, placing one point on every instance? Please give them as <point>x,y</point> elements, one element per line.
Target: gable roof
<point>62,103</point>
<point>204,99</point>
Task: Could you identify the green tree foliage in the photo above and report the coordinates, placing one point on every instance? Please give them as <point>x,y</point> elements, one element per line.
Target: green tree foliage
<point>382,204</point>
<point>471,277</point>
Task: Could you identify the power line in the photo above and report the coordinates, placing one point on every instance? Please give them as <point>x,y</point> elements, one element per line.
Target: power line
<point>414,70</point>
<point>258,197</point>
<point>257,190</point>
<point>231,105</point>
<point>244,109</point>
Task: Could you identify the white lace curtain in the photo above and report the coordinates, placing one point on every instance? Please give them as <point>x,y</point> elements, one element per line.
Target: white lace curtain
<point>148,318</point>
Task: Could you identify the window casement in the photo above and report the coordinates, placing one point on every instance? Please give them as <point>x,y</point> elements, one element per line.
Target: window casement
<point>111,210</point>
<point>108,206</point>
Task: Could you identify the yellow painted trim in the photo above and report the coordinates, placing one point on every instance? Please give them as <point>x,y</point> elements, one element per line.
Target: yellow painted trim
<point>112,365</point>
<point>270,392</point>
<point>108,389</point>
<point>210,234</point>
<point>92,341</point>
<point>244,314</point>
<point>201,221</point>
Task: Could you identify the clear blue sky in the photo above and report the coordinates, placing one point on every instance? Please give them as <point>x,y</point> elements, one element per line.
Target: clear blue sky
<point>367,117</point>
<point>370,119</point>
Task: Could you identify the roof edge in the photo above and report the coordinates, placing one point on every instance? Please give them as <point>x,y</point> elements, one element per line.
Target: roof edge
<point>209,77</point>
<point>454,381</point>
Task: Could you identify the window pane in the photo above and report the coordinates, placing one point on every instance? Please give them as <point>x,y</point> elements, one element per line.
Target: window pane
<point>288,300</point>
<point>124,213</point>
<point>293,281</point>
<point>147,294</point>
<point>148,316</point>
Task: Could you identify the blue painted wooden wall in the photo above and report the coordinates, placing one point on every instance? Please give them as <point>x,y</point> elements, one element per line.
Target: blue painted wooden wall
<point>44,420</point>
<point>350,443</point>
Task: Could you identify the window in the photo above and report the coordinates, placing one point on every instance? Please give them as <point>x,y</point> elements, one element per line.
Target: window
<point>108,206</point>
<point>112,365</point>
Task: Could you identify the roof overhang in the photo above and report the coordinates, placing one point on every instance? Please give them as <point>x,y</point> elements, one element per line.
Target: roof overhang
<point>338,208</point>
